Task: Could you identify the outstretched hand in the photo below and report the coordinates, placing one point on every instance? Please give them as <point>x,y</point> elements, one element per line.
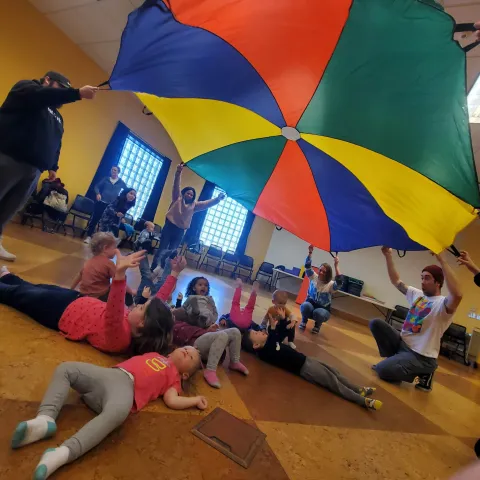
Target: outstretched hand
<point>336,260</point>
<point>180,167</point>
<point>386,251</point>
<point>477,32</point>
<point>272,321</point>
<point>178,264</point>
<point>124,262</point>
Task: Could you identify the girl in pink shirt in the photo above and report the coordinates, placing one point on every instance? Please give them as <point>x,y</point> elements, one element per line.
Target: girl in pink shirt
<point>109,327</point>
<point>113,393</point>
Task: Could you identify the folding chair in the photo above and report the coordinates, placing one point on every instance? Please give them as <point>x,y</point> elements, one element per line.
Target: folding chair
<point>228,263</point>
<point>245,264</point>
<point>215,254</point>
<point>266,270</point>
<point>82,208</point>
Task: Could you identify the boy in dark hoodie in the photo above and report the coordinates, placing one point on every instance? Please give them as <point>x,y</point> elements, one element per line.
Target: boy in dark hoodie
<point>269,349</point>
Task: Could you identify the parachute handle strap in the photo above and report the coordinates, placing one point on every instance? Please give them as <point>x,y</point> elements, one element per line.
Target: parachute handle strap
<point>333,254</point>
<point>454,251</point>
<point>467,27</point>
<point>401,255</point>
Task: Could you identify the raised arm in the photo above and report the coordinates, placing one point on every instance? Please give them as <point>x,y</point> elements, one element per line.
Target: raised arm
<point>176,193</point>
<point>392,271</point>
<point>174,401</point>
<point>336,262</point>
<point>115,310</point>
<point>177,264</point>
<point>465,259</point>
<point>454,290</point>
<point>209,203</point>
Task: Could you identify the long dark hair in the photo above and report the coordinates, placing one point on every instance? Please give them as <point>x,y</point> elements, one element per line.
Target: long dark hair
<point>121,203</point>
<point>328,272</point>
<point>191,286</point>
<point>156,333</point>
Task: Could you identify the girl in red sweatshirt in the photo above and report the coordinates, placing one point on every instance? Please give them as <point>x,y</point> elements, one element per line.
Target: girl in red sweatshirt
<point>109,327</point>
<point>112,393</point>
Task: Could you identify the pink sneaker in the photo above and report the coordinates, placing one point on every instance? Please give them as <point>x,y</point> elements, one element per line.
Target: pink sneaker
<point>239,367</point>
<point>211,378</point>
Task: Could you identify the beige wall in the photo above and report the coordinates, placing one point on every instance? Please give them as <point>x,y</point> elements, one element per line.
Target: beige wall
<point>30,46</point>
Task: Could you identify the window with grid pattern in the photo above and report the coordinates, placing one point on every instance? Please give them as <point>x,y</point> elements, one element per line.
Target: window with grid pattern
<point>223,223</point>
<point>139,169</point>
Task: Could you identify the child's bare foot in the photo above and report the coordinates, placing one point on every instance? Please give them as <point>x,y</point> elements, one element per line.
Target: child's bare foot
<point>238,283</point>
<point>3,271</point>
<point>256,287</point>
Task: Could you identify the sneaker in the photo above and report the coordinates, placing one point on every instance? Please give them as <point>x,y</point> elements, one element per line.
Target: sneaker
<point>87,240</point>
<point>372,404</point>
<point>367,391</point>
<point>315,329</point>
<point>4,255</point>
<point>424,382</point>
<point>292,345</point>
<point>302,325</point>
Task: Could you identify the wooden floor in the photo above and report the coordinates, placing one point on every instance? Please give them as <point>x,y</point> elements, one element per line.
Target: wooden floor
<point>311,434</point>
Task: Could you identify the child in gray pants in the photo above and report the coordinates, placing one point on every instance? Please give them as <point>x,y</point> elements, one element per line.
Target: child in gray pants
<point>110,392</point>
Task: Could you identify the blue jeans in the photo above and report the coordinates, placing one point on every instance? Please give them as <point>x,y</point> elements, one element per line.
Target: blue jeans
<point>146,280</point>
<point>319,315</point>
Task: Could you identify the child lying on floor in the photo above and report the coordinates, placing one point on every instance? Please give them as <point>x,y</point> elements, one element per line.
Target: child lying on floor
<point>211,343</point>
<point>265,345</point>
<point>95,276</point>
<point>241,318</point>
<point>110,392</point>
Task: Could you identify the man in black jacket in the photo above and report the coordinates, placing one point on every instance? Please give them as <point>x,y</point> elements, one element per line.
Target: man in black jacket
<point>31,130</point>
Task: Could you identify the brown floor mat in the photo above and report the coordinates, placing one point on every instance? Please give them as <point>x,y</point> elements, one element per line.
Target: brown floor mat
<point>231,436</point>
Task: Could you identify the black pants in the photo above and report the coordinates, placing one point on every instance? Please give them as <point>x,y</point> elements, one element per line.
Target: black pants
<point>284,332</point>
<point>44,303</point>
<point>98,210</point>
<point>171,238</point>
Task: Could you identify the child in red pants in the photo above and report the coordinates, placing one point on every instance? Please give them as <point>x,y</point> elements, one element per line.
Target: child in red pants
<point>241,318</point>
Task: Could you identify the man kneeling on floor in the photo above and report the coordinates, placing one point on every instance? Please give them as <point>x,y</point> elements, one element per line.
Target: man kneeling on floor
<point>269,349</point>
<point>413,352</point>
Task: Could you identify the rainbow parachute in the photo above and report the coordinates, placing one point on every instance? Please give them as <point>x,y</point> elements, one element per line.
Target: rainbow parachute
<point>343,121</point>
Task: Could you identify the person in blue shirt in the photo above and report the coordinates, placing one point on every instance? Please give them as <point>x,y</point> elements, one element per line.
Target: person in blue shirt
<point>320,289</point>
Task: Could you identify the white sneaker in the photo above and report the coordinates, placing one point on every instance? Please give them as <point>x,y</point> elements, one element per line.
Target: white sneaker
<point>4,255</point>
<point>87,240</point>
<point>292,345</point>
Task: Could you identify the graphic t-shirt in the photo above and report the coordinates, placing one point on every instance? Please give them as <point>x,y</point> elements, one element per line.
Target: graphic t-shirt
<point>426,322</point>
<point>153,376</point>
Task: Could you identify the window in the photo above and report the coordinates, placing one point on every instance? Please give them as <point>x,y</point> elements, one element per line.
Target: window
<point>139,168</point>
<point>473,101</point>
<point>223,223</point>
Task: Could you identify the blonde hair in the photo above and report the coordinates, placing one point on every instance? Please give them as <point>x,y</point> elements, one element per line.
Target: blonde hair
<point>280,296</point>
<point>101,240</point>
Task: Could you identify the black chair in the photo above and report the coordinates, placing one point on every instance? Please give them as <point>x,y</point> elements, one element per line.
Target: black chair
<point>228,263</point>
<point>194,252</point>
<point>266,270</point>
<point>454,342</point>
<point>82,208</point>
<point>245,264</point>
<point>214,254</point>
<point>397,318</point>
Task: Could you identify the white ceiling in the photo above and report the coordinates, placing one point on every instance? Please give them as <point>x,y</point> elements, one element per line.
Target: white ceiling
<point>96,27</point>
